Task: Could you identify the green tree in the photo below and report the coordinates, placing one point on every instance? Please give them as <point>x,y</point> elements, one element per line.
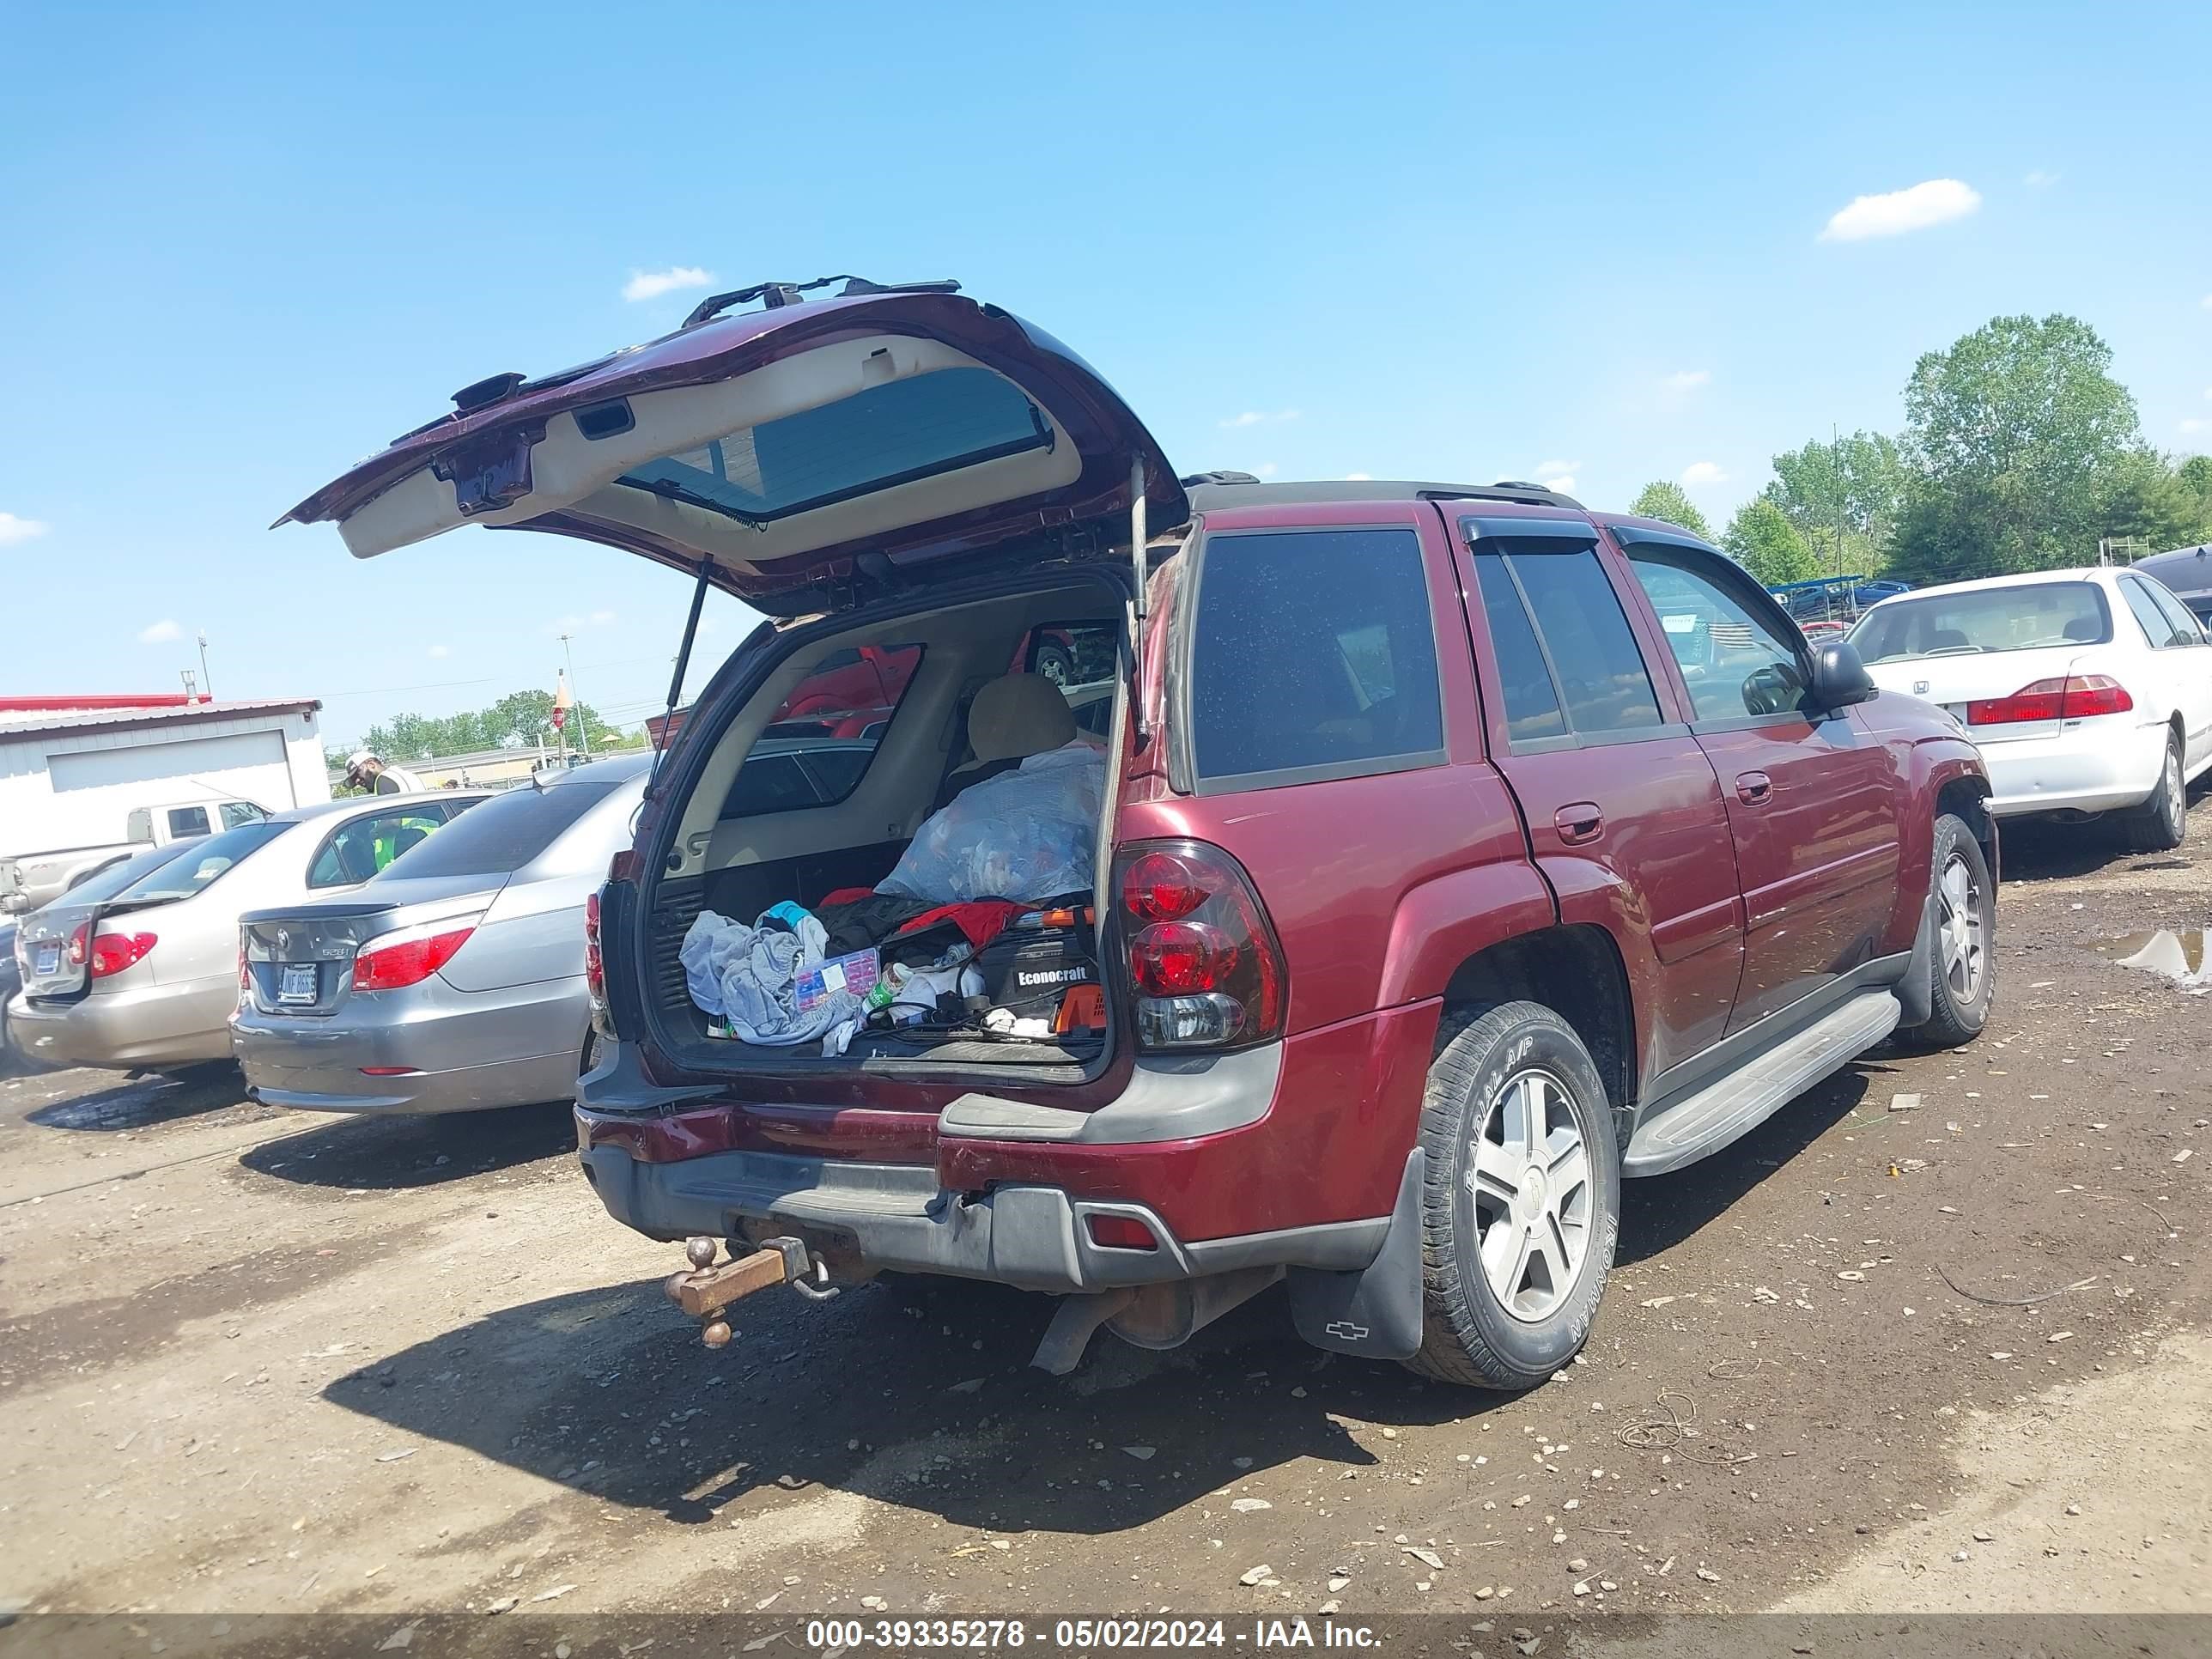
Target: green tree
<point>2023,451</point>
<point>1852,488</point>
<point>1761,538</point>
<point>1666,502</point>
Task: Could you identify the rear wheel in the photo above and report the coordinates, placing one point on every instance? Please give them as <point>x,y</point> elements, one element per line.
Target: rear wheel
<point>1522,1200</point>
<point>2163,818</point>
<point>1053,662</point>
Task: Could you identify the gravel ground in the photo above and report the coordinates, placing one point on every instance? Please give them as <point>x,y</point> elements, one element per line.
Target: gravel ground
<point>254,1361</point>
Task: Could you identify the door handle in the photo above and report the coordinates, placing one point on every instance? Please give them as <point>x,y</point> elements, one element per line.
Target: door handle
<point>1579,822</point>
<point>1754,789</point>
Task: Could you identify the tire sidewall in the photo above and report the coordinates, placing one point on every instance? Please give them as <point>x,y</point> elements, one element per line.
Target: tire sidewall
<point>1965,1019</point>
<point>1534,1038</point>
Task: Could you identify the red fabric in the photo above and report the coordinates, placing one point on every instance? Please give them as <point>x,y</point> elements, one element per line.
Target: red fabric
<point>848,895</point>
<point>982,920</point>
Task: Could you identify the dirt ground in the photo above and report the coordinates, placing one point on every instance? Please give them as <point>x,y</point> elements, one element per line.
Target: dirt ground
<point>253,1361</point>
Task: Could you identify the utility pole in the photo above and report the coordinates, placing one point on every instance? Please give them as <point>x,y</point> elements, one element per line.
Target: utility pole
<point>206,679</point>
<point>583,726</point>
<point>1836,472</point>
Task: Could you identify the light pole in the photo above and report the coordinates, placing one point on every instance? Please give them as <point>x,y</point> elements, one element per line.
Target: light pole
<point>583,726</point>
<point>206,679</point>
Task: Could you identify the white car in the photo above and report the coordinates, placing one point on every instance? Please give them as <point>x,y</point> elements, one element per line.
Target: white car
<point>2087,691</point>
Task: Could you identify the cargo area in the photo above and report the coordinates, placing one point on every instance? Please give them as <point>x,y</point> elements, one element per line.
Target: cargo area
<point>892,851</point>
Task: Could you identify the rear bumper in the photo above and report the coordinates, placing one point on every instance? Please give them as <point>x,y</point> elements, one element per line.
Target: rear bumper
<point>1288,1155</point>
<point>895,1216</point>
<point>2088,769</point>
<point>151,1026</point>
<point>488,1049</point>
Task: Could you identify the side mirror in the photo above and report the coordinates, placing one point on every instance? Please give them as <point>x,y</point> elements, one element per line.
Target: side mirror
<point>1839,678</point>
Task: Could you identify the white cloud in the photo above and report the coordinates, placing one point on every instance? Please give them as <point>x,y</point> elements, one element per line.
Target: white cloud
<point>440,652</point>
<point>2039,178</point>
<point>1546,468</point>
<point>1929,202</point>
<point>602,618</point>
<point>160,633</point>
<point>1688,380</point>
<point>652,284</point>
<point>1265,470</point>
<point>13,529</point>
<point>2194,426</point>
<point>1565,483</point>
<point>2206,302</point>
<point>1699,474</point>
<point>1260,417</point>
<point>1367,478</point>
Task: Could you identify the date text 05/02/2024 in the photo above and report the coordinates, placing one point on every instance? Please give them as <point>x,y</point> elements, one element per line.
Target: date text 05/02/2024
<point>836,1636</point>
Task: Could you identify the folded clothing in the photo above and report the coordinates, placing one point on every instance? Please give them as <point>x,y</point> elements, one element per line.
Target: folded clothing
<point>753,979</point>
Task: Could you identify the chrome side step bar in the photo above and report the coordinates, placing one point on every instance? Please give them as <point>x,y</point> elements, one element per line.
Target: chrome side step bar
<point>1700,1124</point>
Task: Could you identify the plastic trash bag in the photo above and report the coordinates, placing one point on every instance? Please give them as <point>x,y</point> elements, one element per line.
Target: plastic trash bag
<point>1029,834</point>
<point>749,977</point>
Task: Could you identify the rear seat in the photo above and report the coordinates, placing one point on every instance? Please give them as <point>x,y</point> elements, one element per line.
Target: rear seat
<point>1012,718</point>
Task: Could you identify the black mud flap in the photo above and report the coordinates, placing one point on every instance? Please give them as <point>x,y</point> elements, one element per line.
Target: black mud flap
<point>1374,1312</point>
<point>1916,992</point>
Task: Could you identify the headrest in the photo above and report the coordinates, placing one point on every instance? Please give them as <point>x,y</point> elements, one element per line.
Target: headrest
<point>1018,716</point>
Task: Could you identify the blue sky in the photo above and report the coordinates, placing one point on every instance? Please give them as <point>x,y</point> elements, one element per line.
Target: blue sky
<point>245,245</point>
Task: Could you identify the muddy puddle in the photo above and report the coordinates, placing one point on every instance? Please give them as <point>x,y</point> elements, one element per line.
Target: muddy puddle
<point>2172,953</point>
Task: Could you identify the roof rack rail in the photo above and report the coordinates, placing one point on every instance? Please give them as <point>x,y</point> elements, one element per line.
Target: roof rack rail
<point>1217,491</point>
<point>779,295</point>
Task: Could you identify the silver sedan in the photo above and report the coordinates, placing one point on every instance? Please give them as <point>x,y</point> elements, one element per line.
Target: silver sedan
<point>454,981</point>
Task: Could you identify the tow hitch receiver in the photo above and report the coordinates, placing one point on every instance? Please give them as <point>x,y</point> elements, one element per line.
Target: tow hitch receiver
<point>707,1290</point>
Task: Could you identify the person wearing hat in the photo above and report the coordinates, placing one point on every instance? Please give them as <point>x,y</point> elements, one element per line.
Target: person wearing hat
<point>365,770</point>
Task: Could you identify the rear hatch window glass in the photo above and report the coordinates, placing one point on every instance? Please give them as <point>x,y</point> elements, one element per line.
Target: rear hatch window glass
<point>202,865</point>
<point>893,433</point>
<point>504,834</point>
<point>2031,617</point>
<point>1313,655</point>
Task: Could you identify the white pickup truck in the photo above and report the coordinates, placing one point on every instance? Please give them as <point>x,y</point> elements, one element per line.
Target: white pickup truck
<point>30,879</point>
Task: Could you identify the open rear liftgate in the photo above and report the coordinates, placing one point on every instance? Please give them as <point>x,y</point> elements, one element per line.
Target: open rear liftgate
<point>707,1290</point>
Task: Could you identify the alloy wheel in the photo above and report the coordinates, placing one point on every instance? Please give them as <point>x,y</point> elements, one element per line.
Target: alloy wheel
<point>1534,1201</point>
<point>1961,927</point>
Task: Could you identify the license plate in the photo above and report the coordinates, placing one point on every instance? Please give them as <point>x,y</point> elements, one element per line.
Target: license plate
<point>48,959</point>
<point>295,983</point>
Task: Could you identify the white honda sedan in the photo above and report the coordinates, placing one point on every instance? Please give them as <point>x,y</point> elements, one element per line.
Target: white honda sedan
<point>2088,691</point>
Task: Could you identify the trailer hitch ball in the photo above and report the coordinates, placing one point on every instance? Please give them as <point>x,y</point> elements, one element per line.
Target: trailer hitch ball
<point>700,1252</point>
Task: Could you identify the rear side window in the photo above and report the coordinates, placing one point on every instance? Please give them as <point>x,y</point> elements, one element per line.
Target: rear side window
<point>1313,655</point>
<point>1533,590</point>
<point>2186,628</point>
<point>202,865</point>
<point>816,749</point>
<point>505,833</point>
<point>2158,627</point>
<point>369,845</point>
<point>188,821</point>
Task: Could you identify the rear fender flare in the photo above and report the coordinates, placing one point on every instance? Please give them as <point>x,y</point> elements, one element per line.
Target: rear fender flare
<point>1440,923</point>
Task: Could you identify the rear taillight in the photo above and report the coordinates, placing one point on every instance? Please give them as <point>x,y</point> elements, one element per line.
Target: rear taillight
<point>2073,697</point>
<point>595,969</point>
<point>1203,967</point>
<point>409,957</point>
<point>112,952</point>
<point>80,944</point>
